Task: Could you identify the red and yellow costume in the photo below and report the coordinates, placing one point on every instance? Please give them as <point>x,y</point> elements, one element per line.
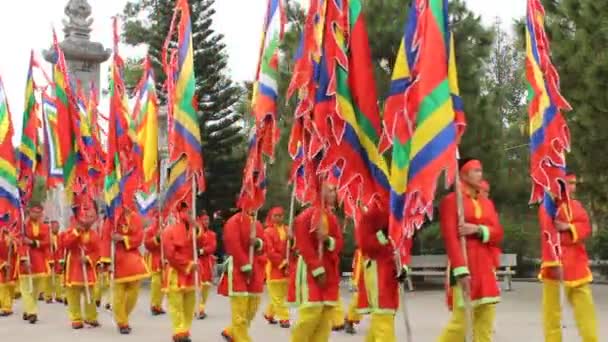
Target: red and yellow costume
<point>129,265</point>
<point>207,244</point>
<point>39,268</point>
<point>316,303</point>
<point>152,242</point>
<point>480,264</point>
<point>275,236</point>
<point>380,297</point>
<point>243,279</point>
<point>9,263</point>
<point>54,287</point>
<point>574,263</point>
<point>103,269</point>
<point>179,281</point>
<point>79,244</point>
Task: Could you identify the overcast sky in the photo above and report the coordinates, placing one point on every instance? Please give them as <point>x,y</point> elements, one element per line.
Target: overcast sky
<point>26,25</point>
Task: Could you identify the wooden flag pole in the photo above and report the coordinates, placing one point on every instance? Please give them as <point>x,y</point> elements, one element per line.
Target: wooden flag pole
<point>463,245</point>
<point>402,293</point>
<point>85,276</point>
<point>292,203</point>
<point>27,254</point>
<point>194,248</point>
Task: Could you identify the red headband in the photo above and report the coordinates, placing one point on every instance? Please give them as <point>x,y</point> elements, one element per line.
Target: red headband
<point>471,165</point>
<point>271,213</point>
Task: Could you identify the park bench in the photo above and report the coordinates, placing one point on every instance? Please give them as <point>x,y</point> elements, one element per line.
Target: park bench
<point>435,266</point>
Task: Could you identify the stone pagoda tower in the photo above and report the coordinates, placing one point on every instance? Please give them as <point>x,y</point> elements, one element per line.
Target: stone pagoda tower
<point>83,56</point>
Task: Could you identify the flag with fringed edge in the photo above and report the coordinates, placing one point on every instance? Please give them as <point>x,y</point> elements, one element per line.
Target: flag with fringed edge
<point>253,189</point>
<point>52,152</point>
<point>549,133</point>
<point>9,190</point>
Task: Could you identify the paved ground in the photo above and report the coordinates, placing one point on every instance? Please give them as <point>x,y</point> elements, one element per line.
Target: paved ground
<point>518,319</point>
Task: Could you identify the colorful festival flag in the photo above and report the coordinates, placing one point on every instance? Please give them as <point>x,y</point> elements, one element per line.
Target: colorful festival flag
<point>52,151</point>
<point>9,191</point>
<point>549,133</point>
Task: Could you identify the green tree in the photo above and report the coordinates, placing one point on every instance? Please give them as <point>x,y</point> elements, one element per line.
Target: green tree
<point>147,22</point>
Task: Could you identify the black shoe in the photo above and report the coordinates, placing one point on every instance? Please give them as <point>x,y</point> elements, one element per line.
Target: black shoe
<point>349,328</point>
<point>202,315</point>
<point>285,324</point>
<point>77,325</point>
<point>226,337</point>
<point>5,313</point>
<point>33,319</point>
<point>92,324</point>
<point>25,316</point>
<point>108,306</point>
<point>124,330</point>
<point>98,303</point>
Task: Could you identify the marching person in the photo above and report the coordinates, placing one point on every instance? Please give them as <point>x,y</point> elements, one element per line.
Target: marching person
<point>207,245</point>
<point>82,244</point>
<point>129,265</point>
<point>574,227</point>
<point>179,282</point>
<point>153,244</point>
<point>276,269</point>
<point>54,286</point>
<point>318,279</point>
<point>9,261</point>
<point>380,297</point>
<point>472,277</point>
<point>102,286</point>
<point>243,279</point>
<point>34,266</point>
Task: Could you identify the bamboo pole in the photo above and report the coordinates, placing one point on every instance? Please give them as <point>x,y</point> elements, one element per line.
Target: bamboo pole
<point>194,249</point>
<point>292,203</point>
<point>85,276</point>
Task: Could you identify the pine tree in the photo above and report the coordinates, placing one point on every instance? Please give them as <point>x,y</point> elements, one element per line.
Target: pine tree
<point>217,95</point>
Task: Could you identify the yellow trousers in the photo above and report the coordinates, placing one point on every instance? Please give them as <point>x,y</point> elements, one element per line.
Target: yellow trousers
<point>156,293</point>
<point>353,315</point>
<point>54,287</point>
<point>580,299</point>
<point>101,286</point>
<point>181,310</point>
<point>204,296</point>
<point>277,308</point>
<point>7,293</point>
<point>75,295</point>
<point>382,328</point>
<point>337,315</point>
<point>483,322</point>
<point>124,301</point>
<point>314,324</point>
<point>244,309</point>
<point>30,298</point>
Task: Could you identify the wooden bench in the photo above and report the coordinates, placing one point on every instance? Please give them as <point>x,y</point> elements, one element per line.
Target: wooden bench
<point>436,265</point>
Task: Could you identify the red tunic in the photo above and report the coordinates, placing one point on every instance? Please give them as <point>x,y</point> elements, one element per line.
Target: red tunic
<point>9,257</point>
<point>207,244</point>
<point>379,271</point>
<point>481,249</point>
<point>177,245</point>
<point>276,249</point>
<point>234,281</point>
<point>153,248</point>
<point>75,243</point>
<point>39,233</point>
<point>129,264</point>
<point>575,262</point>
<point>60,253</point>
<point>308,292</point>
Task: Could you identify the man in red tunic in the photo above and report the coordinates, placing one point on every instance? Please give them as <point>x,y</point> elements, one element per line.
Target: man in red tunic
<point>276,269</point>
<point>318,274</point>
<point>472,272</point>
<point>207,245</point>
<point>380,275</point>
<point>179,281</point>
<point>243,278</point>
<point>9,261</point>
<point>573,227</point>
<point>34,268</point>
<point>152,242</point>
<point>82,253</point>
<point>129,265</point>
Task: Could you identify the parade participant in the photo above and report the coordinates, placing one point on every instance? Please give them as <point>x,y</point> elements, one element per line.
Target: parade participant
<point>243,279</point>
<point>34,266</point>
<point>574,228</point>
<point>82,244</point>
<point>153,244</point>
<point>276,269</point>
<point>129,265</point>
<point>54,287</point>
<point>352,316</point>
<point>102,286</point>
<point>380,275</point>
<point>472,277</point>
<point>318,276</point>
<point>207,245</point>
<point>179,281</point>
<point>9,260</point>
